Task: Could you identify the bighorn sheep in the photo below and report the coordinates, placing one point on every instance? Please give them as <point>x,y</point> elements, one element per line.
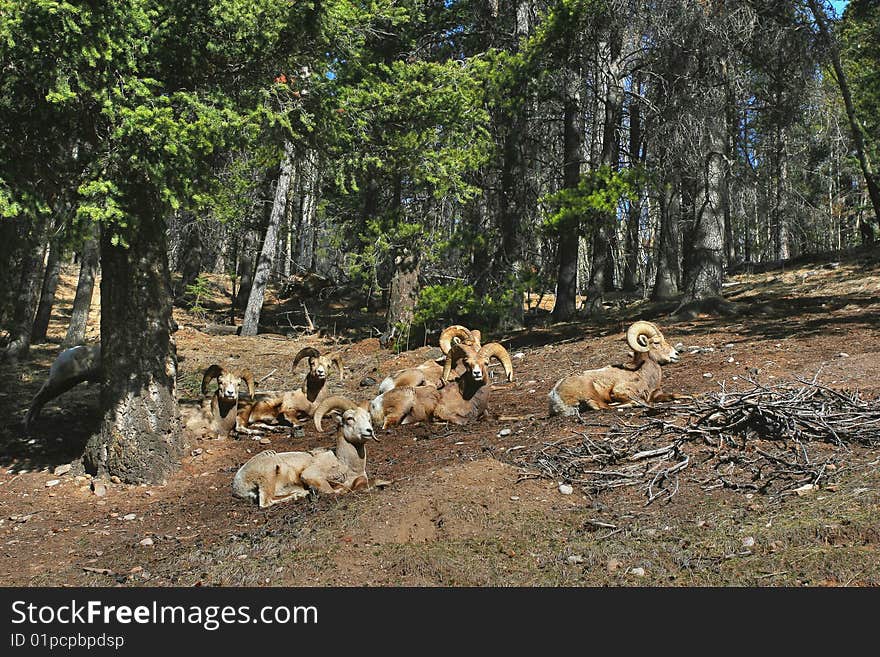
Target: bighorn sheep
<point>431,371</point>
<point>270,477</point>
<point>224,401</point>
<point>303,401</point>
<point>459,401</point>
<point>70,367</point>
<point>636,382</point>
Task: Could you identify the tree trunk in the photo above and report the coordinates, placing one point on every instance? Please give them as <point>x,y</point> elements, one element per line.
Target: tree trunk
<point>634,214</point>
<point>666,283</point>
<point>704,258</point>
<point>855,126</point>
<point>47,293</point>
<point>28,288</point>
<point>247,253</point>
<point>193,256</point>
<point>82,302</point>
<point>404,293</point>
<point>602,273</point>
<point>140,439</point>
<point>251,320</point>
<point>566,280</point>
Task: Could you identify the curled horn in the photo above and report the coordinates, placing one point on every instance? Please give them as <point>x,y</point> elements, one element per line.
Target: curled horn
<point>248,378</point>
<point>477,337</point>
<point>639,333</point>
<point>213,372</point>
<point>334,403</point>
<point>305,352</point>
<point>456,353</point>
<point>495,350</point>
<point>452,332</point>
<point>338,362</point>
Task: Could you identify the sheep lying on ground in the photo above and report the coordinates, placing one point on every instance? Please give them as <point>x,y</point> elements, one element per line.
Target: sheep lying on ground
<point>431,371</point>
<point>636,382</point>
<point>224,402</point>
<point>272,477</point>
<point>301,402</point>
<point>70,367</point>
<point>458,401</point>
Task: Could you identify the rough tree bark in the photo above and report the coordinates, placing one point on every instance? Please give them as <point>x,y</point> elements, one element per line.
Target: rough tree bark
<point>140,439</point>
<point>251,320</point>
<point>82,302</point>
<point>704,257</point>
<point>634,213</point>
<point>404,293</point>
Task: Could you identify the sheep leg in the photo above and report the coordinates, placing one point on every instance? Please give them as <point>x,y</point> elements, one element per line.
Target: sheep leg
<point>314,478</point>
<point>47,392</point>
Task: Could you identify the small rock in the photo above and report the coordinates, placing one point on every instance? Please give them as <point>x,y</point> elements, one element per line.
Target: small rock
<point>298,432</point>
<point>367,381</point>
<point>98,488</point>
<point>519,355</point>
<point>701,523</point>
<point>565,489</point>
<point>505,432</point>
<point>196,452</point>
<point>843,354</point>
<point>265,441</point>
<point>729,345</point>
<point>730,359</point>
<point>806,489</point>
<point>679,346</point>
<point>707,375</point>
<point>749,541</point>
<point>61,470</point>
<point>613,565</point>
<point>638,572</point>
<point>52,482</point>
<point>116,480</point>
<point>514,498</point>
<point>754,370</point>
<point>575,558</point>
<point>129,516</point>
<point>146,542</point>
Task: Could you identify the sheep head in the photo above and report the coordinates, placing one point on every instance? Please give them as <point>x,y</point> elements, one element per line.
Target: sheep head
<point>354,420</point>
<point>458,334</point>
<point>646,340</point>
<point>319,366</point>
<point>477,361</point>
<point>227,382</point>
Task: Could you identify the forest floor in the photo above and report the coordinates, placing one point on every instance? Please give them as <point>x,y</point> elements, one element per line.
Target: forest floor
<point>465,506</point>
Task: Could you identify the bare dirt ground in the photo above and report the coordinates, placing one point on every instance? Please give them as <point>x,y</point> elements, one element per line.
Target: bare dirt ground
<point>462,509</point>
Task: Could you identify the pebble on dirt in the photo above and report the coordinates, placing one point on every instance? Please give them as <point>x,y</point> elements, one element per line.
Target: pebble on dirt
<point>146,542</point>
<point>638,572</point>
<point>99,489</point>
<point>52,482</point>
<point>565,489</point>
<point>61,470</point>
<point>504,432</point>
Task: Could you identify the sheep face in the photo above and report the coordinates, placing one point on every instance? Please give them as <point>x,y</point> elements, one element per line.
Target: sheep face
<point>357,427</point>
<point>646,338</point>
<point>319,366</point>
<point>227,386</point>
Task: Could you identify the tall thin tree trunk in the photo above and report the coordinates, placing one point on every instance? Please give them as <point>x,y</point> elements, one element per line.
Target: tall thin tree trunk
<point>634,215</point>
<point>569,234</point>
<point>28,289</point>
<point>140,439</point>
<point>251,321</point>
<point>817,7</point>
<point>82,302</point>
<point>47,293</point>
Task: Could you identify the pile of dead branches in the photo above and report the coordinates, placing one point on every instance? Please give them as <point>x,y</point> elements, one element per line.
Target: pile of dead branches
<point>777,440</point>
